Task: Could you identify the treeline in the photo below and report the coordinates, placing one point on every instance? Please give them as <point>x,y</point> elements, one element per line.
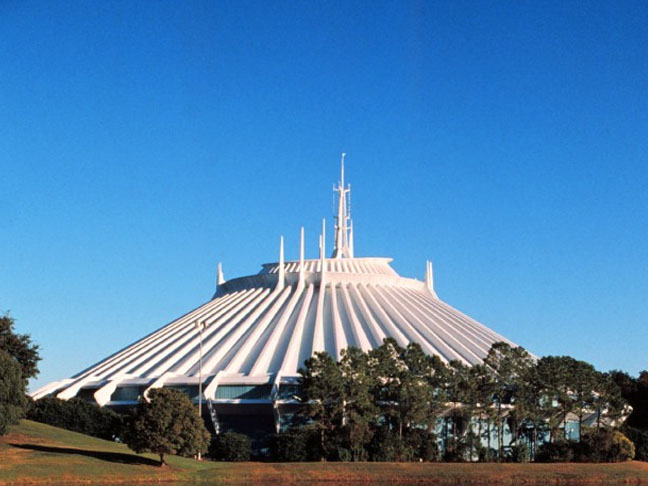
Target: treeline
<point>389,404</point>
<point>399,404</point>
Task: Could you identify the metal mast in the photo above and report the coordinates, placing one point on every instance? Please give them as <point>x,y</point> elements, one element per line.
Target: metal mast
<point>343,246</point>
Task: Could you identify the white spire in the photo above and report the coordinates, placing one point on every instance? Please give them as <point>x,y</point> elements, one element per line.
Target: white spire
<point>429,278</point>
<point>343,247</point>
<point>323,248</point>
<point>221,277</point>
<point>281,273</point>
<point>301,258</point>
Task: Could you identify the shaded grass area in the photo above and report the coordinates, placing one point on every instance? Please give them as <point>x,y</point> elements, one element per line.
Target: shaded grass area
<point>39,454</point>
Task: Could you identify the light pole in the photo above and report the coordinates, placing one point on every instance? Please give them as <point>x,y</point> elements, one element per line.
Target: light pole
<point>201,327</point>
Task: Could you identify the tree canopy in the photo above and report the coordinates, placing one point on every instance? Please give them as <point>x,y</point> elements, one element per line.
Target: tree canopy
<point>19,347</point>
<point>12,392</point>
<point>167,423</point>
<point>397,403</point>
<point>18,362</point>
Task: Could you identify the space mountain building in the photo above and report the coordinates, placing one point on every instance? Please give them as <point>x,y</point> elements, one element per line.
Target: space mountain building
<point>245,345</point>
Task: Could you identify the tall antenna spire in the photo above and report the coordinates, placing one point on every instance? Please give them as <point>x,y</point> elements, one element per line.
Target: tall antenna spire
<point>281,278</point>
<point>429,278</point>
<point>343,247</point>
<point>300,282</point>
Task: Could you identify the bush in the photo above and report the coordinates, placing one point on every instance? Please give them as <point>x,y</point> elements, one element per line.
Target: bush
<point>424,445</point>
<point>296,445</point>
<point>604,446</point>
<point>230,447</point>
<point>77,415</point>
<point>484,454</point>
<point>622,448</point>
<point>387,446</point>
<point>519,453</point>
<point>559,451</point>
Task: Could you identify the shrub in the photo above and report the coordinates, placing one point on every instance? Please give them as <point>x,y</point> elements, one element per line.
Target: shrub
<point>387,446</point>
<point>559,451</point>
<point>484,454</point>
<point>424,445</point>
<point>77,415</point>
<point>230,447</point>
<point>622,448</point>
<point>519,453</point>
<point>296,445</point>
<point>604,446</point>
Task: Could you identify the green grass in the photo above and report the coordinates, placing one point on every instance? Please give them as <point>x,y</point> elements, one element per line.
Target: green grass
<point>39,454</point>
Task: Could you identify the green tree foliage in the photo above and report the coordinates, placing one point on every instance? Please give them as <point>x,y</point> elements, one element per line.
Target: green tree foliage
<point>359,411</point>
<point>323,392</point>
<point>19,347</point>
<point>510,366</point>
<point>296,445</point>
<point>404,387</point>
<point>640,439</point>
<point>12,392</point>
<point>18,360</point>
<point>77,415</point>
<point>635,391</point>
<point>387,405</point>
<point>167,424</point>
<point>230,447</point>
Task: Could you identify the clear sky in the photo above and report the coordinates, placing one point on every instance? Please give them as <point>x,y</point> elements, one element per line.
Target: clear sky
<point>143,142</point>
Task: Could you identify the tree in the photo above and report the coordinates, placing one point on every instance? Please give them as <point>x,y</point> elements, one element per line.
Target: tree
<point>322,390</point>
<point>12,392</point>
<point>481,394</point>
<point>167,424</point>
<point>403,388</point>
<point>509,365</point>
<point>360,413</point>
<point>19,347</point>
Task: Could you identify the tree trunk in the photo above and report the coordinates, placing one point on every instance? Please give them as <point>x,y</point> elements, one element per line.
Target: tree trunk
<point>162,461</point>
<point>479,434</point>
<point>499,431</point>
<point>565,426</point>
<point>598,419</point>
<point>535,439</point>
<point>488,425</point>
<point>445,431</point>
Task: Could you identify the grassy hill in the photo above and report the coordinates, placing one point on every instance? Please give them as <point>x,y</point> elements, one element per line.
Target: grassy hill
<point>34,453</point>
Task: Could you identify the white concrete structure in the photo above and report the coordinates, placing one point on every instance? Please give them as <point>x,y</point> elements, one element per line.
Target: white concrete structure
<point>259,329</point>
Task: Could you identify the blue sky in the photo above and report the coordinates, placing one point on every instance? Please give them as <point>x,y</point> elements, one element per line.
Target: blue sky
<point>143,142</point>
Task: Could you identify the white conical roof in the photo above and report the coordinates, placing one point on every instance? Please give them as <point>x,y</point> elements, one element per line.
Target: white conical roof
<point>259,329</point>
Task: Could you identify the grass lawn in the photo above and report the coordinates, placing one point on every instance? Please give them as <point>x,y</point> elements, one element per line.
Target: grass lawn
<point>34,453</point>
